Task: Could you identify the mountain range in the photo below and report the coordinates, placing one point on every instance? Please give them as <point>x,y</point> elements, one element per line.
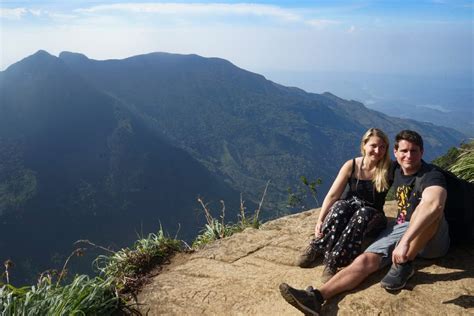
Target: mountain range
<point>444,99</point>
<point>103,150</point>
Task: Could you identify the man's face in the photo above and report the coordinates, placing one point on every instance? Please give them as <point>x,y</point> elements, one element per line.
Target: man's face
<point>408,156</point>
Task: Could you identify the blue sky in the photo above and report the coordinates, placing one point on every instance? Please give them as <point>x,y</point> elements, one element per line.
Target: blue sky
<point>430,37</point>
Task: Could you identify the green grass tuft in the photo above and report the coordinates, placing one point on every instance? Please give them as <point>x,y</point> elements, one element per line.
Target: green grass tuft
<point>217,229</point>
<point>83,296</point>
<point>463,167</point>
<point>128,267</point>
<point>459,161</point>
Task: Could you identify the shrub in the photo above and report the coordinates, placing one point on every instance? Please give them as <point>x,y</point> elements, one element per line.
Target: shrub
<point>127,267</point>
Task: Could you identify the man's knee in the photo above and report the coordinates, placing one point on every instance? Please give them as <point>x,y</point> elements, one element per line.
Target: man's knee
<point>367,263</point>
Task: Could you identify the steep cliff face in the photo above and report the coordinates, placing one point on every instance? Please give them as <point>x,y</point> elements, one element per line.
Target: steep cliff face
<point>240,276</point>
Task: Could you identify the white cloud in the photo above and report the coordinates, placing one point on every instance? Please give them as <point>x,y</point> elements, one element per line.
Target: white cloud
<point>12,14</point>
<point>191,13</point>
<point>351,29</point>
<point>198,9</point>
<point>35,12</point>
<point>22,13</point>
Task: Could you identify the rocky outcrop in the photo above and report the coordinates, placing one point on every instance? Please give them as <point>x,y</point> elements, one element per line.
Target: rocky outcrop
<point>240,275</point>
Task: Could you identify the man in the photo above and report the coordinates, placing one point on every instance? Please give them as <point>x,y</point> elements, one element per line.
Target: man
<point>420,229</point>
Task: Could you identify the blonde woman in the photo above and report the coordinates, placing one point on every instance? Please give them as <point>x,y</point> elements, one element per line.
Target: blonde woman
<point>353,207</point>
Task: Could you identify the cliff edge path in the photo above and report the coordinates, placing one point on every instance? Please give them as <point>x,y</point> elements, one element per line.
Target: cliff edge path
<point>240,275</point>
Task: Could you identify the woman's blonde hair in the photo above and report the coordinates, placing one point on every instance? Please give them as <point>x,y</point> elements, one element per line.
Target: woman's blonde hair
<point>380,179</point>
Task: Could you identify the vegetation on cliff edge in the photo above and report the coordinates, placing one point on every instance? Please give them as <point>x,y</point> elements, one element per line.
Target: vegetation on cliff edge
<point>121,274</point>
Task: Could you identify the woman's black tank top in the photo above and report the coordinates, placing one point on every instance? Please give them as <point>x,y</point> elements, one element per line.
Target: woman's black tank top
<point>365,190</point>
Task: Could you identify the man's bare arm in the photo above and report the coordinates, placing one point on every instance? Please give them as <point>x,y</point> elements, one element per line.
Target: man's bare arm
<point>426,213</point>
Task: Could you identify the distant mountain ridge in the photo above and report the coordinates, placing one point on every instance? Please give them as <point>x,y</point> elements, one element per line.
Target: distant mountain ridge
<point>187,96</point>
<point>102,149</point>
<point>443,99</point>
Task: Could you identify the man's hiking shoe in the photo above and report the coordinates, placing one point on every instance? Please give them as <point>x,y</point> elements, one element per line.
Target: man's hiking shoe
<point>397,276</point>
<point>307,301</point>
<point>309,255</point>
<point>328,273</point>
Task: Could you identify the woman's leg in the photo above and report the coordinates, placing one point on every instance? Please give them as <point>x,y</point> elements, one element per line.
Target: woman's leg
<point>349,244</point>
<point>336,220</point>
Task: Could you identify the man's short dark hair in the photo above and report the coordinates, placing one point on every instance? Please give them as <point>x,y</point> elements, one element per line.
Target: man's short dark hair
<point>410,136</point>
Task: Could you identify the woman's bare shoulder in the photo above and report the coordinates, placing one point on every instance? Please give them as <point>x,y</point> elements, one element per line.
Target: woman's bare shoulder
<point>347,166</point>
<point>348,163</point>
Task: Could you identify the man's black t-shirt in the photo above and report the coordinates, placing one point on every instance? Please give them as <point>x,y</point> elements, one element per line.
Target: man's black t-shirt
<point>408,197</point>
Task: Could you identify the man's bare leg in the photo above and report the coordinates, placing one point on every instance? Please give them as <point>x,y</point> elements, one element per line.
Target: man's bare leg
<point>309,301</point>
<point>351,276</point>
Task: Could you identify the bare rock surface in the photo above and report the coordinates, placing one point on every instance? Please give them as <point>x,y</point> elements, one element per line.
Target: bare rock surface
<point>240,275</point>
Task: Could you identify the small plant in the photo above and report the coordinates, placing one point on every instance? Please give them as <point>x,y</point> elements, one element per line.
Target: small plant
<point>8,265</point>
<point>214,228</point>
<point>218,229</point>
<point>252,221</point>
<point>297,197</point>
<point>77,252</point>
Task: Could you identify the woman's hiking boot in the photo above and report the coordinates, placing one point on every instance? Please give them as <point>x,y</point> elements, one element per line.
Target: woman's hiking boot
<point>309,256</point>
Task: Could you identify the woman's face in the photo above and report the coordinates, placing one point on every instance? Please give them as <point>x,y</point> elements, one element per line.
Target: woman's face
<point>375,148</point>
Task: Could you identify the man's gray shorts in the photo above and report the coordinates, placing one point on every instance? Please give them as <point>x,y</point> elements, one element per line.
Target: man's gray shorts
<point>438,246</point>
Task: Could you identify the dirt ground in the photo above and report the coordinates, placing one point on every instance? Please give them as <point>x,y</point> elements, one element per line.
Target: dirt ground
<point>240,275</point>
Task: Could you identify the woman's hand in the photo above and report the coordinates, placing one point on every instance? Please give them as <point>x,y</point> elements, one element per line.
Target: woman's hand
<point>335,192</point>
<point>318,233</point>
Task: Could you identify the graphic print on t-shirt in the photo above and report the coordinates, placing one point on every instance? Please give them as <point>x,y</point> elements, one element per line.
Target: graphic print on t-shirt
<point>402,195</point>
